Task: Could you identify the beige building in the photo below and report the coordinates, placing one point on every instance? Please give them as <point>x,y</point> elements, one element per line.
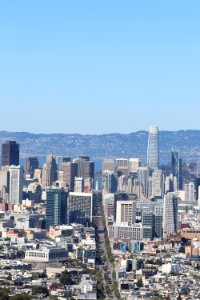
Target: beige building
<point>134,164</point>
<point>38,175</point>
<point>122,166</point>
<point>157,183</point>
<point>125,211</point>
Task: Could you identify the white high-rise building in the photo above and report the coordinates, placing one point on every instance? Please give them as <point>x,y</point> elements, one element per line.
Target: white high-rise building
<point>16,185</point>
<point>190,192</point>
<point>122,183</point>
<point>78,184</point>
<point>143,178</point>
<point>134,164</point>
<point>153,149</point>
<point>170,214</point>
<point>4,178</point>
<point>157,183</point>
<point>108,165</point>
<point>171,184</point>
<point>122,166</point>
<point>126,211</point>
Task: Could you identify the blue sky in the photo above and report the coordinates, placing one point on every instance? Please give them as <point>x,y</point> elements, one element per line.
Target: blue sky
<point>99,66</point>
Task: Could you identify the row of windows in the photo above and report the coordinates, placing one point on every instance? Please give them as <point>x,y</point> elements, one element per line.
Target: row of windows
<point>37,254</point>
<point>132,236</point>
<point>57,254</point>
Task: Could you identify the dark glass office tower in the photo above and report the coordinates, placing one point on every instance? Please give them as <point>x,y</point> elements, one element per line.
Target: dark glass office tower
<point>70,171</point>
<point>10,153</point>
<point>197,185</point>
<point>85,167</point>
<point>56,207</point>
<point>176,165</point>
<point>32,163</point>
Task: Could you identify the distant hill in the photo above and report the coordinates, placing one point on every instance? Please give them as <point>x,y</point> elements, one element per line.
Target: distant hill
<point>187,142</point>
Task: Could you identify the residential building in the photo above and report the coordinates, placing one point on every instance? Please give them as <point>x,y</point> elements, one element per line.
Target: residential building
<point>80,208</point>
<point>170,214</point>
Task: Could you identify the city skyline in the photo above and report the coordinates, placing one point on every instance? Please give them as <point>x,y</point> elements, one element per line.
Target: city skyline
<point>66,212</point>
<point>100,150</point>
<point>99,67</point>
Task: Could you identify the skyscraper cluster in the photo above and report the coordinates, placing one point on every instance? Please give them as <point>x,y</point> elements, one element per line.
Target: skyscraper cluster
<point>144,194</point>
<point>63,188</point>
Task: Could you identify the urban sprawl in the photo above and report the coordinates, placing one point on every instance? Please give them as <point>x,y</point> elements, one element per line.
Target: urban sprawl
<point>131,231</point>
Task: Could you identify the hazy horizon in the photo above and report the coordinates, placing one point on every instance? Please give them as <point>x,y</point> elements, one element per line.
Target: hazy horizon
<point>103,133</point>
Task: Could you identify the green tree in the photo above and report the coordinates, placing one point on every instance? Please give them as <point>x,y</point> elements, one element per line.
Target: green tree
<point>4,294</point>
<point>34,276</point>
<point>114,275</point>
<point>9,277</point>
<point>21,297</point>
<point>105,268</point>
<point>40,290</point>
<point>53,298</point>
<point>66,279</point>
<point>55,285</point>
<point>105,276</point>
<point>107,289</point>
<point>139,283</point>
<point>20,254</point>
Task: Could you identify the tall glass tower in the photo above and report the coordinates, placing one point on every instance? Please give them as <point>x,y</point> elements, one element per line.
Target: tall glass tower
<point>10,153</point>
<point>56,207</point>
<point>153,149</point>
<point>176,163</point>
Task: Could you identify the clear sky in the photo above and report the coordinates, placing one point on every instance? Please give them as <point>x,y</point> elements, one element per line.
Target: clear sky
<point>80,66</point>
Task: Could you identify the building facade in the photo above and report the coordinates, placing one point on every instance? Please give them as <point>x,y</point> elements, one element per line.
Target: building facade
<point>10,153</point>
<point>56,207</point>
<point>170,215</point>
<point>80,208</point>
<point>16,184</point>
<point>153,149</point>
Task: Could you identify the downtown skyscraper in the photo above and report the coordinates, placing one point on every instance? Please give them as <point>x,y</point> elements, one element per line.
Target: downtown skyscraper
<point>176,165</point>
<point>170,214</point>
<point>56,207</point>
<point>10,153</point>
<point>15,184</point>
<point>153,149</point>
